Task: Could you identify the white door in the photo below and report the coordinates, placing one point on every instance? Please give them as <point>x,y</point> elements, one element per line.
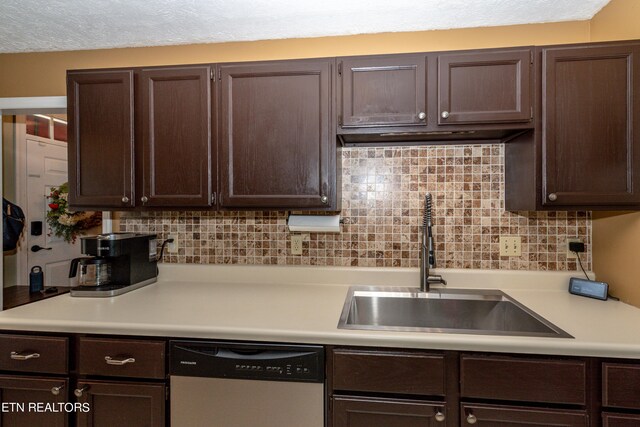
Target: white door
<point>46,167</point>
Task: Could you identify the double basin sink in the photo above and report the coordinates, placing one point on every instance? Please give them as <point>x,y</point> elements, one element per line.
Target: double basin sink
<point>475,311</point>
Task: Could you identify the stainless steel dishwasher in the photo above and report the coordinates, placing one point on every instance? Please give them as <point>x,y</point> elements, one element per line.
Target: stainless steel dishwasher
<point>223,384</point>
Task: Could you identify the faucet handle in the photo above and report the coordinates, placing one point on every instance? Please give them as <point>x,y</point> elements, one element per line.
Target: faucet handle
<point>436,278</point>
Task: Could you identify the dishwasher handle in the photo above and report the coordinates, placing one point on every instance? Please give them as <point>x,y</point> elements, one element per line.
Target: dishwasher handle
<point>227,353</point>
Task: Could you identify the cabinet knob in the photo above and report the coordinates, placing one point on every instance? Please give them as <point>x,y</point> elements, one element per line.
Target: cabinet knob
<point>444,115</point>
<point>471,419</point>
<point>553,197</point>
<point>56,390</point>
<point>125,199</point>
<point>324,199</point>
<point>144,199</point>
<point>80,391</point>
<point>439,416</point>
<point>422,115</point>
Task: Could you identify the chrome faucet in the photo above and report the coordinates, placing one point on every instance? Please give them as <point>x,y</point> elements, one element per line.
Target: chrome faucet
<point>427,250</point>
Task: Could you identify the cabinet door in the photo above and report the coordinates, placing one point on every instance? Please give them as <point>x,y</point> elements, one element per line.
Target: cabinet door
<point>487,87</point>
<point>383,91</point>
<point>26,399</point>
<point>116,404</point>
<point>176,136</point>
<point>620,420</point>
<point>368,412</point>
<point>100,113</point>
<point>277,148</point>
<point>501,416</point>
<point>591,122</point>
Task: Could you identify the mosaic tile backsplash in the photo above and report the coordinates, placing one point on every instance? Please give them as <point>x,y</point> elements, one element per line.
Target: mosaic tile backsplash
<point>382,201</point>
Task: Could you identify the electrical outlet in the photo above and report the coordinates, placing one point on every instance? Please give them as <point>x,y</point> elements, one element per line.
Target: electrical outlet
<point>510,246</point>
<point>172,247</point>
<point>570,254</point>
<point>296,244</point>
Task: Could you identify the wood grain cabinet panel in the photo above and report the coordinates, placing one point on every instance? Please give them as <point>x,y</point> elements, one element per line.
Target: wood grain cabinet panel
<point>502,416</point>
<point>620,420</point>
<point>127,358</point>
<point>523,379</point>
<point>369,412</point>
<point>485,87</point>
<point>387,90</point>
<point>277,145</point>
<point>21,392</point>
<point>176,136</point>
<point>121,404</point>
<point>621,385</point>
<point>389,372</point>
<point>27,353</point>
<point>100,108</point>
<point>591,122</point>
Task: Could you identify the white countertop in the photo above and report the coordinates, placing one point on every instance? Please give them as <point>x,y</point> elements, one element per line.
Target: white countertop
<point>303,305</point>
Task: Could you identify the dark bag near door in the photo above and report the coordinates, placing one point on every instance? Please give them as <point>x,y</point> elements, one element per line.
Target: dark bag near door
<point>12,226</point>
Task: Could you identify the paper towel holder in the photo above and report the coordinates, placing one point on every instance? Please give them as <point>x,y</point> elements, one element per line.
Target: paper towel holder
<point>314,223</point>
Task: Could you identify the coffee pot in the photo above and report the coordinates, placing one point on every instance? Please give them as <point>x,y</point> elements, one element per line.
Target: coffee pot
<point>94,271</point>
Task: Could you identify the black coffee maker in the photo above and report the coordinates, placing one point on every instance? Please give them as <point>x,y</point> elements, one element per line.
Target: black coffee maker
<point>118,263</point>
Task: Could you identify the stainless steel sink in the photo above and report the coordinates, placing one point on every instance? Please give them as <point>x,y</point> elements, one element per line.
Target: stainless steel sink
<point>477,311</point>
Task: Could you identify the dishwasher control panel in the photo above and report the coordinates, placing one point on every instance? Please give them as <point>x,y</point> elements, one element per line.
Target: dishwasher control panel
<point>271,362</point>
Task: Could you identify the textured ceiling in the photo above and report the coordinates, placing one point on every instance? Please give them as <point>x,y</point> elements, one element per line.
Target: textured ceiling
<point>49,25</point>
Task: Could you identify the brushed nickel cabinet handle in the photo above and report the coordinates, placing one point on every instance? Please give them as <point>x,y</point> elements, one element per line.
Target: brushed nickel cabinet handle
<point>118,362</point>
<point>144,199</point>
<point>471,419</point>
<point>125,199</point>
<point>439,416</point>
<point>445,115</point>
<point>324,199</point>
<point>17,356</point>
<point>56,390</point>
<point>79,391</point>
<point>553,197</point>
<point>422,115</point>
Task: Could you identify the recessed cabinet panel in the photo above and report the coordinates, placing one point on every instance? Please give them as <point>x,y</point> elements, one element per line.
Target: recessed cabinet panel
<point>25,391</point>
<point>502,416</point>
<point>277,148</point>
<point>591,107</point>
<point>369,412</point>
<point>176,136</point>
<point>620,420</point>
<point>621,385</point>
<point>383,91</point>
<point>487,87</point>
<point>100,114</point>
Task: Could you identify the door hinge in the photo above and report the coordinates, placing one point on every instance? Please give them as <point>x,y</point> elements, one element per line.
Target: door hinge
<point>531,112</point>
<point>213,198</point>
<point>340,120</point>
<point>531,54</point>
<point>166,393</point>
<point>211,74</point>
<point>340,68</point>
<point>219,74</point>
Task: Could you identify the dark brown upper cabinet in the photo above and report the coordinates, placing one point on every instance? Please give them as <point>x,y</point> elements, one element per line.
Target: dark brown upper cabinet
<point>277,141</point>
<point>176,137</point>
<point>101,153</point>
<point>591,126</point>
<point>492,86</point>
<point>141,137</point>
<point>385,90</point>
<point>585,152</point>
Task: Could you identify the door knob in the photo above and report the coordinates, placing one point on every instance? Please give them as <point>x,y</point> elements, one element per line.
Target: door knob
<point>79,391</point>
<point>439,416</point>
<point>471,419</point>
<point>56,390</point>
<point>422,115</point>
<point>553,197</point>
<point>38,248</point>
<point>125,199</point>
<point>144,199</point>
<point>445,115</point>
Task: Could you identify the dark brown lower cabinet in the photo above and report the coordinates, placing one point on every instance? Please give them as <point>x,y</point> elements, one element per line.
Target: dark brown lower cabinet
<point>503,416</point>
<point>120,404</point>
<point>33,401</point>
<point>369,412</point>
<point>620,420</point>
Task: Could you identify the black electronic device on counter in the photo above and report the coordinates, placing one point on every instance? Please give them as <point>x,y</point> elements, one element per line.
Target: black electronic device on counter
<point>118,263</point>
<point>588,288</point>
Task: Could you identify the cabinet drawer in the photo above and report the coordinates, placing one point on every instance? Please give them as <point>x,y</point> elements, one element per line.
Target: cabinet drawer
<point>34,354</point>
<point>366,412</point>
<point>621,385</point>
<point>121,358</point>
<point>523,379</point>
<point>620,420</point>
<point>389,372</point>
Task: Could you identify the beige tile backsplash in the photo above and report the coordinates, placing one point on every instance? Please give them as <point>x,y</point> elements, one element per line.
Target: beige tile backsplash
<point>382,200</point>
